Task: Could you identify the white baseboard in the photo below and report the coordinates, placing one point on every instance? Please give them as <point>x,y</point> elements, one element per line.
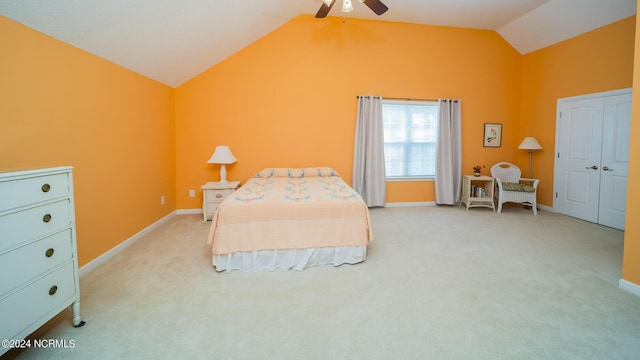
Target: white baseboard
<point>433,203</point>
<point>545,208</point>
<point>629,286</point>
<point>403,204</point>
<point>123,245</point>
<point>189,211</point>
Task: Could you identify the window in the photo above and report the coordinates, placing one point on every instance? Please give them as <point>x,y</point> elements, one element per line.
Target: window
<point>410,139</point>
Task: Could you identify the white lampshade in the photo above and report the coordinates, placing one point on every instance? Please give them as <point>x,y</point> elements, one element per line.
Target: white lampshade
<point>530,143</point>
<point>222,155</point>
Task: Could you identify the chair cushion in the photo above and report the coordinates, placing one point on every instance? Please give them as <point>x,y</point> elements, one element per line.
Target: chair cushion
<point>507,186</point>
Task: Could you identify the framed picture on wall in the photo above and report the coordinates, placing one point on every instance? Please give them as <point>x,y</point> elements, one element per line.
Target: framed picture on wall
<point>492,135</point>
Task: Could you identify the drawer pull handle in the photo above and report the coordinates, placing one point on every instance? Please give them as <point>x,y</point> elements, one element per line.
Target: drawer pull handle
<point>49,252</point>
<point>219,196</point>
<point>46,218</point>
<point>46,188</point>
<point>53,290</point>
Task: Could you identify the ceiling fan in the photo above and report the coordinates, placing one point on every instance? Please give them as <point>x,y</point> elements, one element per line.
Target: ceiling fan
<point>376,5</point>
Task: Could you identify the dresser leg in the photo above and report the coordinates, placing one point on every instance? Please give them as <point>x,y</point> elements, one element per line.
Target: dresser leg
<point>75,308</point>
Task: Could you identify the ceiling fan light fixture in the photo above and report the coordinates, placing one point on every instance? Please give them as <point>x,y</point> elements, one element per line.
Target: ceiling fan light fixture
<point>377,6</point>
<point>347,6</point>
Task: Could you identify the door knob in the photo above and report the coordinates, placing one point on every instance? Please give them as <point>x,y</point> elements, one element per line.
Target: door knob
<point>606,168</point>
<point>592,167</point>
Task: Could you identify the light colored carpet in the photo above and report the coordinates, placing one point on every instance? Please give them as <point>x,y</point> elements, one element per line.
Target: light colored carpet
<point>438,283</point>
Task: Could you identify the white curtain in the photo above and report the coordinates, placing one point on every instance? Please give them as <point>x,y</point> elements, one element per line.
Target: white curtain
<point>368,154</point>
<point>448,179</point>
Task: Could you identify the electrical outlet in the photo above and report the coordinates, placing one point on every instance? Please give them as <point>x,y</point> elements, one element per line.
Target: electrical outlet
<point>192,193</point>
<point>162,200</point>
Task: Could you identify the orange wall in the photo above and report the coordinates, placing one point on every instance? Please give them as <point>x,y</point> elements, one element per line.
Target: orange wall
<point>631,259</point>
<point>597,61</point>
<point>62,106</point>
<point>289,99</point>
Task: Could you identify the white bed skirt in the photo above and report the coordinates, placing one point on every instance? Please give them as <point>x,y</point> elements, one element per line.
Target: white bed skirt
<point>298,259</point>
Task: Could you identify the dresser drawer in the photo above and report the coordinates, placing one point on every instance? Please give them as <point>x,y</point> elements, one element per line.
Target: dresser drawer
<point>22,309</point>
<point>24,226</point>
<point>21,192</point>
<point>27,262</point>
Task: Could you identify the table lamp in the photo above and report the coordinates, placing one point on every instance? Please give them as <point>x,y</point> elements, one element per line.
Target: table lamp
<point>222,155</point>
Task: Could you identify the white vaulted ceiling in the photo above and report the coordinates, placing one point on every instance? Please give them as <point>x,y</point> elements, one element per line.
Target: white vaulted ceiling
<point>172,41</point>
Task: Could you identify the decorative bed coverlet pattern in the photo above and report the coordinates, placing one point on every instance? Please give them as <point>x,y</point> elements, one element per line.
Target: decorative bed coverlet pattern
<point>282,208</point>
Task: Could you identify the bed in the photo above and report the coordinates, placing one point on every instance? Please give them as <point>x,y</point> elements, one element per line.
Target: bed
<point>290,218</point>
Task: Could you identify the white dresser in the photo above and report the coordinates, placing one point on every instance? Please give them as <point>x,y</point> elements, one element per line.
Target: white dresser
<point>38,256</point>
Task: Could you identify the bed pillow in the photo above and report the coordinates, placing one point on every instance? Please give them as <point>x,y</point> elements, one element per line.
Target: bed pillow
<point>280,172</point>
<point>296,172</point>
<point>320,171</point>
<point>265,173</point>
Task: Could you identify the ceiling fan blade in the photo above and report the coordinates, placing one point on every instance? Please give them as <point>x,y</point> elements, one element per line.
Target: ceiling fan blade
<point>376,5</point>
<point>324,9</point>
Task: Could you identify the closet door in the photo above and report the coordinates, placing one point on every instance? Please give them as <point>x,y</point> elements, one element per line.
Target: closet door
<point>578,153</point>
<point>592,150</point>
<point>615,161</point>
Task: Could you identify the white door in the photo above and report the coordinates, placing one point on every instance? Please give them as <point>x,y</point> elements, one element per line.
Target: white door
<point>592,150</point>
<point>578,158</point>
<point>615,161</point>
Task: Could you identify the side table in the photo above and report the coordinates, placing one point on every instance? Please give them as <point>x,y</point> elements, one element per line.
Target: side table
<point>477,191</point>
<point>213,193</point>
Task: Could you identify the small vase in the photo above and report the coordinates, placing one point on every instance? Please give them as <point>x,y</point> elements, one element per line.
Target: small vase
<point>476,174</point>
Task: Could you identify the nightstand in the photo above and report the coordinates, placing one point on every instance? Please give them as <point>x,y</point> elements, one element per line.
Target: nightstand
<point>213,193</point>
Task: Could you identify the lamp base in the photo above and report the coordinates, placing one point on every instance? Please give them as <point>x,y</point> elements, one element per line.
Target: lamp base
<point>223,173</point>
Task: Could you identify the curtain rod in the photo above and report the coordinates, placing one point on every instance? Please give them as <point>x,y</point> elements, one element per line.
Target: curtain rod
<point>406,99</point>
